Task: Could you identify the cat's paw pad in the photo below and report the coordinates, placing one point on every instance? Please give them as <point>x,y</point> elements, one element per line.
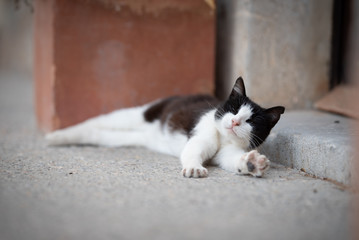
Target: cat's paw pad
<point>195,172</point>
<point>255,164</point>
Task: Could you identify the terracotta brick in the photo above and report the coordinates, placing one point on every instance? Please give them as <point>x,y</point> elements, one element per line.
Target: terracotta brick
<point>92,58</point>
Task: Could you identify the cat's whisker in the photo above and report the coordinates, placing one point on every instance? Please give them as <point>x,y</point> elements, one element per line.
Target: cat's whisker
<point>211,105</point>
<point>221,112</point>
<point>257,142</point>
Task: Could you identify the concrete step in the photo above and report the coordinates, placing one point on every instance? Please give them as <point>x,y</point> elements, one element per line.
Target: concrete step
<point>315,142</point>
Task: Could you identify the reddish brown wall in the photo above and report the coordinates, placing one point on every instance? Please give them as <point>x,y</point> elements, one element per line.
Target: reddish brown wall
<point>91,59</point>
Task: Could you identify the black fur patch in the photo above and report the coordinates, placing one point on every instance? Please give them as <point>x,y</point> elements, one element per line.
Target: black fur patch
<point>262,120</point>
<point>181,113</point>
<point>156,110</point>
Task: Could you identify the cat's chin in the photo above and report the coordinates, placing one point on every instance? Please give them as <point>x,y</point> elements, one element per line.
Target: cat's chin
<point>231,132</point>
<point>229,135</point>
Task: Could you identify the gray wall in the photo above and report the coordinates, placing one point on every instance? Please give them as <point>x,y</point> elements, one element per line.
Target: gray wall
<point>16,33</point>
<point>351,61</point>
<point>281,48</point>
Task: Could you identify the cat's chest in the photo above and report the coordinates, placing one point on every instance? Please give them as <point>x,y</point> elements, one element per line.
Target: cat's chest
<point>232,141</point>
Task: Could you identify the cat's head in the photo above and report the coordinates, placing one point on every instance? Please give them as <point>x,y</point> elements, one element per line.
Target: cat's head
<point>242,120</point>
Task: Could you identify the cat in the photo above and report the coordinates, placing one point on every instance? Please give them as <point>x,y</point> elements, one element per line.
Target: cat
<point>196,129</point>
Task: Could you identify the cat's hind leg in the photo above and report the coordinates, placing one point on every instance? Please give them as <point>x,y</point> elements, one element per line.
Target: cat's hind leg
<point>87,135</point>
<point>95,130</point>
<point>123,119</point>
<point>71,135</point>
<point>109,138</point>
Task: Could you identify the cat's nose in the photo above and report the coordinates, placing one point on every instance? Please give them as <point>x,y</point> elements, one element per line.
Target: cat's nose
<point>235,123</point>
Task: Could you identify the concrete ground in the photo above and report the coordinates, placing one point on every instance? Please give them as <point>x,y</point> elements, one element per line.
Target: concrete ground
<point>132,193</point>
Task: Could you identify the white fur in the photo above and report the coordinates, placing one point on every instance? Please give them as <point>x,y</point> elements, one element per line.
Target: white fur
<point>202,146</point>
<point>218,140</point>
<point>125,127</point>
<point>237,135</point>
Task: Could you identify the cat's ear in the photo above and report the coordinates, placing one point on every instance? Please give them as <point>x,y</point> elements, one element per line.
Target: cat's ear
<point>238,88</point>
<point>274,114</point>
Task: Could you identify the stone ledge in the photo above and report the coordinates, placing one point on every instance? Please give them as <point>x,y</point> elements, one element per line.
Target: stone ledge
<point>315,142</point>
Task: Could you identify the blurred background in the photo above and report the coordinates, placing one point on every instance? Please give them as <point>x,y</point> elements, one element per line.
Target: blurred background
<point>93,56</point>
<point>16,36</point>
<point>81,58</point>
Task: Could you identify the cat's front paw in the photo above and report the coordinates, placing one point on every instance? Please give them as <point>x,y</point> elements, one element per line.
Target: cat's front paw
<point>254,163</point>
<point>195,172</point>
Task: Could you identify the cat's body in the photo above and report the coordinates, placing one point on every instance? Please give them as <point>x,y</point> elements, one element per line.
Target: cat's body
<point>194,128</point>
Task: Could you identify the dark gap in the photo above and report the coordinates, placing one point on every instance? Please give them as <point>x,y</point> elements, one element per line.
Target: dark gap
<point>219,53</point>
<point>341,19</point>
<point>224,24</point>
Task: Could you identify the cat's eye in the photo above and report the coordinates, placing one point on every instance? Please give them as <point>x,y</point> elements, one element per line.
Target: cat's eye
<point>250,120</point>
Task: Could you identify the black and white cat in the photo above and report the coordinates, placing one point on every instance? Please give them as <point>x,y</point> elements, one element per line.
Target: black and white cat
<point>194,128</point>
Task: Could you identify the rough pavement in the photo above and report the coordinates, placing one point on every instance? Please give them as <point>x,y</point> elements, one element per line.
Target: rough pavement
<point>132,193</point>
